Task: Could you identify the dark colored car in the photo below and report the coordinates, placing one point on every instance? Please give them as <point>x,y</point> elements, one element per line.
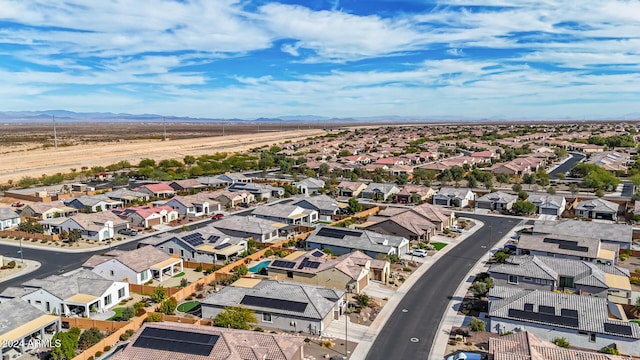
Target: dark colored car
<point>129,232</point>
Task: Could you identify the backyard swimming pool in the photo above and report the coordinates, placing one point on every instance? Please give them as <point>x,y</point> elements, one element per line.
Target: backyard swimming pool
<point>261,265</point>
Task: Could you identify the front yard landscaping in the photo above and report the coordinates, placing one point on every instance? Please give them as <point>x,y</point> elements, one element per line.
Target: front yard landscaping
<point>438,245</point>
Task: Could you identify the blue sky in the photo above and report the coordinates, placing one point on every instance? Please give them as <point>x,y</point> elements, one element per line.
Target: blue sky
<point>356,58</point>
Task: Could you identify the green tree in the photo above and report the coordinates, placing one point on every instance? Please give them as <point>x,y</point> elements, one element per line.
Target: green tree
<point>323,170</point>
<point>574,188</point>
<point>501,257</point>
<point>74,235</point>
<point>362,300</point>
<point>477,325</point>
<point>127,313</point>
<point>522,207</point>
<point>502,179</point>
<point>154,317</point>
<point>479,289</point>
<point>189,160</point>
<point>241,270</point>
<point>471,181</point>
<point>235,317</point>
<point>402,179</point>
<point>168,306</point>
<point>159,294</point>
<point>517,187</point>
<point>68,345</point>
<point>457,173</point>
<point>147,163</point>
<point>561,342</point>
<point>89,338</point>
<point>637,304</point>
<point>551,191</point>
<point>354,206</point>
<point>610,350</point>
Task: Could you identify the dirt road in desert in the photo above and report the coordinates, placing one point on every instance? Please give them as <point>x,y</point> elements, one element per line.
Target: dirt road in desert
<point>36,162</point>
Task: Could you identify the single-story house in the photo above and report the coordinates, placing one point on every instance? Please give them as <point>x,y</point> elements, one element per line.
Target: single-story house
<point>496,201</point>
<point>618,234</point>
<point>567,247</point>
<point>326,206</point>
<point>259,191</point>
<point>414,194</point>
<point>547,204</point>
<point>305,308</point>
<point>231,199</point>
<point>407,224</point>
<point>342,241</point>
<point>451,196</point>
<point>94,226</point>
<point>187,186</point>
<point>309,186</point>
<point>147,216</point>
<point>136,266</point>
<point>9,219</point>
<point>378,191</point>
<point>160,190</point>
<point>350,272</point>
<point>206,245</point>
<point>584,321</point>
<point>93,203</point>
<point>22,323</point>
<point>579,276</point>
<point>48,210</point>
<point>127,196</point>
<point>350,188</point>
<point>597,209</point>
<point>260,230</point>
<point>76,293</point>
<point>196,205</point>
<point>286,214</point>
<point>171,341</point>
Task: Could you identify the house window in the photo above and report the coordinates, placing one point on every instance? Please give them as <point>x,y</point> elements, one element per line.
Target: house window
<point>527,279</point>
<point>566,282</point>
<point>513,279</point>
<point>121,293</point>
<point>107,300</point>
<point>181,253</point>
<point>266,317</point>
<point>290,274</point>
<point>143,275</point>
<point>38,302</point>
<point>193,254</point>
<point>592,337</point>
<point>170,250</point>
<point>48,307</point>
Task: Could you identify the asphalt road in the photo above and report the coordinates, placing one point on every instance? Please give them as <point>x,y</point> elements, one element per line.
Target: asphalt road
<point>419,313</point>
<point>627,189</point>
<point>567,165</point>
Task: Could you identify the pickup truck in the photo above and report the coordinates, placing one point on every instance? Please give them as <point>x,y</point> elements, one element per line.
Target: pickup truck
<point>17,204</point>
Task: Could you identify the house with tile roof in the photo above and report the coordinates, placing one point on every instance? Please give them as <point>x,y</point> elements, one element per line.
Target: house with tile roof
<point>350,188</point>
<point>496,201</point>
<point>135,266</point>
<point>47,210</point>
<point>350,272</point>
<point>147,216</point>
<point>378,191</point>
<point>93,203</point>
<point>127,196</point>
<point>306,308</point>
<point>342,241</point>
<point>231,199</point>
<point>260,191</point>
<point>525,345</point>
<point>584,321</point>
<point>196,205</point>
<point>407,224</point>
<point>547,204</point>
<point>325,205</point>
<point>578,276</point>
<point>9,219</point>
<point>414,194</point>
<point>207,245</point>
<point>597,209</point>
<point>452,196</point>
<point>160,190</point>
<point>260,230</point>
<point>94,226</point>
<point>77,293</point>
<point>189,186</point>
<point>21,322</point>
<point>171,341</point>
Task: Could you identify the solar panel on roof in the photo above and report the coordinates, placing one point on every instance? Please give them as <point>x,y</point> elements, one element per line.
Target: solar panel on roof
<point>619,329</point>
<point>544,318</point>
<point>283,264</point>
<point>222,246</point>
<point>303,263</point>
<point>176,341</point>
<point>336,233</point>
<point>569,313</point>
<point>547,309</point>
<point>313,264</point>
<point>277,304</point>
<point>528,307</point>
<point>213,238</point>
<point>318,253</point>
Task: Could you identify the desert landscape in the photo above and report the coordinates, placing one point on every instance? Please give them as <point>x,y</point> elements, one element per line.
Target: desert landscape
<point>28,150</point>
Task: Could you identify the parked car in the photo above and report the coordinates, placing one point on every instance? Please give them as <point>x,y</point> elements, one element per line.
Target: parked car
<point>17,204</point>
<point>454,228</point>
<point>129,232</point>
<point>217,216</point>
<point>465,356</point>
<point>418,252</point>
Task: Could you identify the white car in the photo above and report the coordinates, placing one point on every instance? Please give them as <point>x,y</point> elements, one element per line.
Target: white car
<point>418,252</point>
<point>454,228</point>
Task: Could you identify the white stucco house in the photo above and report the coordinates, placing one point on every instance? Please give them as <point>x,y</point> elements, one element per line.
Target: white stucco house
<point>8,219</point>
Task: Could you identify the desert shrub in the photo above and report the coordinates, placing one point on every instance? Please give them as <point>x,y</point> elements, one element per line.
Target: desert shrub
<point>126,335</point>
<point>407,269</point>
<point>307,340</point>
<point>624,257</point>
<point>635,280</point>
<point>562,342</point>
<point>98,354</point>
<point>610,350</point>
<point>268,253</point>
<point>199,268</point>
<point>258,329</point>
<point>184,282</point>
<point>477,325</point>
<point>362,300</point>
<point>154,317</point>
<point>199,287</point>
<point>327,343</point>
<point>106,348</point>
<point>11,264</point>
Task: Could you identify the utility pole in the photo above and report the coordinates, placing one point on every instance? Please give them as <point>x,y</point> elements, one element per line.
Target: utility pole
<point>223,129</point>
<point>55,134</point>
<point>346,321</point>
<point>164,123</point>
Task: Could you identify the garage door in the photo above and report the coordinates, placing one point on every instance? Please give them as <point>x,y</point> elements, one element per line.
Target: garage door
<point>441,202</point>
<point>604,216</point>
<point>153,222</point>
<point>483,205</point>
<point>549,211</point>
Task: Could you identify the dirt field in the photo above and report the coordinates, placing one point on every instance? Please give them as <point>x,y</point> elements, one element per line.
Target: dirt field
<point>27,149</point>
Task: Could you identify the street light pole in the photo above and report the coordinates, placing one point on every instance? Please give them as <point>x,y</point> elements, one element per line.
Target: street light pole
<point>21,256</point>
<point>346,322</point>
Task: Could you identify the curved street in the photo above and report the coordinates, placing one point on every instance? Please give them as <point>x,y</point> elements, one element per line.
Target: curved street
<point>411,329</point>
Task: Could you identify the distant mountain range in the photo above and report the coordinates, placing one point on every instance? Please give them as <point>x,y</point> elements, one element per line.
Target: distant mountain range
<point>70,116</point>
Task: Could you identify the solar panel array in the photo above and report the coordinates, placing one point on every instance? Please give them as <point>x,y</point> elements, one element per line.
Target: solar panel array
<point>310,264</point>
<point>547,309</point>
<point>336,233</point>
<point>544,318</point>
<point>222,246</point>
<point>619,329</point>
<point>283,264</point>
<point>194,239</point>
<point>277,304</point>
<point>176,341</point>
<point>318,253</point>
<point>213,238</point>
<point>567,244</point>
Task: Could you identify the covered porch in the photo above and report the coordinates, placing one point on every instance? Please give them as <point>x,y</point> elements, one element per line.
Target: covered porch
<point>81,305</point>
<point>166,267</point>
<point>223,251</point>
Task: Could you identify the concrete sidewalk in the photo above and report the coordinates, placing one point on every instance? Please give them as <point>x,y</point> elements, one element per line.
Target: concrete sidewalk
<point>451,317</point>
<point>28,266</point>
<point>366,340</point>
